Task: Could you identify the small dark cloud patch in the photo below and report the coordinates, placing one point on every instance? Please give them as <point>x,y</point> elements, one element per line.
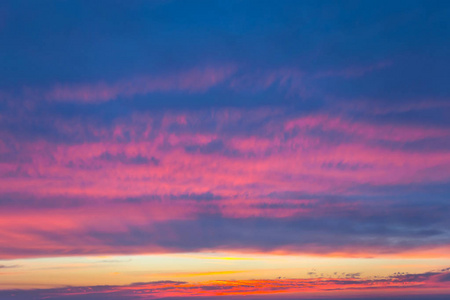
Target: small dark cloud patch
<point>343,166</point>
<point>353,275</point>
<point>214,147</point>
<point>209,148</point>
<point>9,266</point>
<point>129,160</point>
<point>200,197</point>
<point>194,196</point>
<point>98,162</point>
<point>158,283</point>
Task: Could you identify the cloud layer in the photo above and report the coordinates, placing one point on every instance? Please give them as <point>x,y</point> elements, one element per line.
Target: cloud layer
<point>165,126</point>
<point>312,183</point>
<point>430,284</point>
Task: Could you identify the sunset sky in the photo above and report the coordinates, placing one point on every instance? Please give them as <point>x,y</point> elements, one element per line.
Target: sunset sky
<point>224,149</point>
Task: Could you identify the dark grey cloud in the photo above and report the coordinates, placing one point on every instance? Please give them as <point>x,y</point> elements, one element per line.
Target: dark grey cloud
<point>324,224</point>
<point>324,234</point>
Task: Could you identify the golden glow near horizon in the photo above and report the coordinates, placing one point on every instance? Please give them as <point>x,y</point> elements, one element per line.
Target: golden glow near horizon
<point>199,267</point>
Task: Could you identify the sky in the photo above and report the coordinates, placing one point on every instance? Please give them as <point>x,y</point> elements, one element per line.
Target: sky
<point>224,149</point>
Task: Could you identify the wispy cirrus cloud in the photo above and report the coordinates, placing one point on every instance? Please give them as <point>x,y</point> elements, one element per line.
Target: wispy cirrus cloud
<point>289,81</point>
<point>195,80</point>
<point>355,71</point>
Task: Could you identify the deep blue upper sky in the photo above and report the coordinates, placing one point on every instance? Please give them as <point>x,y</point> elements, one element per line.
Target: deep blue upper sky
<point>385,53</point>
<point>44,42</point>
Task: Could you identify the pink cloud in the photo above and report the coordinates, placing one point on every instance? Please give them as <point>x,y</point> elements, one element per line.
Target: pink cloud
<point>225,164</point>
<point>195,80</point>
<point>423,284</point>
<point>192,173</point>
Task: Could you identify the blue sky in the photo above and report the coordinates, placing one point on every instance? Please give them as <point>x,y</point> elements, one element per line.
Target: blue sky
<point>280,128</point>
